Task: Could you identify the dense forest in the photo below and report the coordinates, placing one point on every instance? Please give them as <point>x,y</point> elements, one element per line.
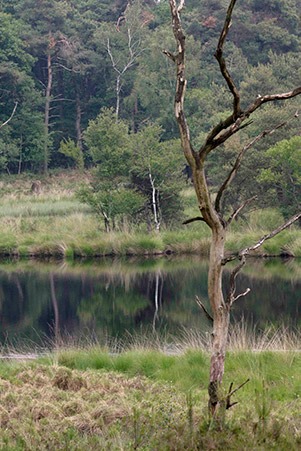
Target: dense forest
<point>85,83</point>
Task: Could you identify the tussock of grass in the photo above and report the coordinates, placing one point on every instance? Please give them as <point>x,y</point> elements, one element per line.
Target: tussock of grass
<point>151,393</point>
<point>51,407</point>
<point>148,400</point>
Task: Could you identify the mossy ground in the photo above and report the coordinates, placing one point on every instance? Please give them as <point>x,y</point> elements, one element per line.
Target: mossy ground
<point>148,400</point>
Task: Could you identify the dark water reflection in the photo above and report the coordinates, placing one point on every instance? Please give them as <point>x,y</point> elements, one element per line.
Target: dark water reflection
<point>41,301</point>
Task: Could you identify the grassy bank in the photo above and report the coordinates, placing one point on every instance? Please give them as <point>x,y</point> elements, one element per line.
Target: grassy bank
<point>148,400</point>
<point>55,223</point>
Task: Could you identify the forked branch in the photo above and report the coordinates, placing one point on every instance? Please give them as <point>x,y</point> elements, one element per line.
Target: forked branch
<point>231,393</point>
<point>235,121</point>
<point>231,298</point>
<point>227,128</point>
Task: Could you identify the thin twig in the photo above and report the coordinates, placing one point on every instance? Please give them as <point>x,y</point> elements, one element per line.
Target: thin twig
<point>240,208</point>
<point>241,295</point>
<point>201,305</point>
<point>231,296</point>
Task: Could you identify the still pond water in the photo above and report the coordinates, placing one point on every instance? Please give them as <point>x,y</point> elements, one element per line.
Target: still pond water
<point>112,298</point>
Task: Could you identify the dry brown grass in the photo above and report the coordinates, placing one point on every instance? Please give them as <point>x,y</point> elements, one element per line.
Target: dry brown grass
<point>40,406</point>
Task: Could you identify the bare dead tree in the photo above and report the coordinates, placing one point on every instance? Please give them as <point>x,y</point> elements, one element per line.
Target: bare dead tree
<point>211,211</point>
<point>133,47</point>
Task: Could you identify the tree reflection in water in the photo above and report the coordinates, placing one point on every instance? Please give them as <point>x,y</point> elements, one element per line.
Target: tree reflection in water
<point>112,298</point>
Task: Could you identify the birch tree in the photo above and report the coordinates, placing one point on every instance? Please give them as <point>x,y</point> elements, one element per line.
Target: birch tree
<point>210,210</point>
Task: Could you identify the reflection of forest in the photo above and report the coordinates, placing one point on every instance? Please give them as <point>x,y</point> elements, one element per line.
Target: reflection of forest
<point>111,298</point>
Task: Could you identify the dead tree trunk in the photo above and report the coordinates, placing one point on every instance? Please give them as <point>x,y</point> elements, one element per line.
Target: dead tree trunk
<point>211,211</point>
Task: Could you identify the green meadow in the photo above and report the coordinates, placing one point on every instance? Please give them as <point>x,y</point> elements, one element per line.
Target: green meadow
<point>55,223</point>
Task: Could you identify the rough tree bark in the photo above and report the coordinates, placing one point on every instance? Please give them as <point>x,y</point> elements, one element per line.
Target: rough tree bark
<point>211,211</point>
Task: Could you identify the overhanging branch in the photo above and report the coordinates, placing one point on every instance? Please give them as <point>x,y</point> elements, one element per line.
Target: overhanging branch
<point>241,254</point>
<point>270,235</point>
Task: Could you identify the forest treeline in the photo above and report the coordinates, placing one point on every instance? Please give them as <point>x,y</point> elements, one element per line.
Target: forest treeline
<point>89,85</point>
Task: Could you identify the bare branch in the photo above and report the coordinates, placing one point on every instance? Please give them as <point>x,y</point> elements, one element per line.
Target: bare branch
<point>241,295</point>
<point>179,59</point>
<point>201,305</point>
<point>170,55</point>
<point>271,98</point>
<point>67,68</point>
<point>231,295</point>
<point>244,252</point>
<point>10,117</point>
<point>231,393</point>
<point>238,161</point>
<point>181,5</point>
<point>222,62</point>
<point>270,235</point>
<point>229,127</point>
<point>197,218</point>
<point>240,208</point>
<point>112,58</point>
